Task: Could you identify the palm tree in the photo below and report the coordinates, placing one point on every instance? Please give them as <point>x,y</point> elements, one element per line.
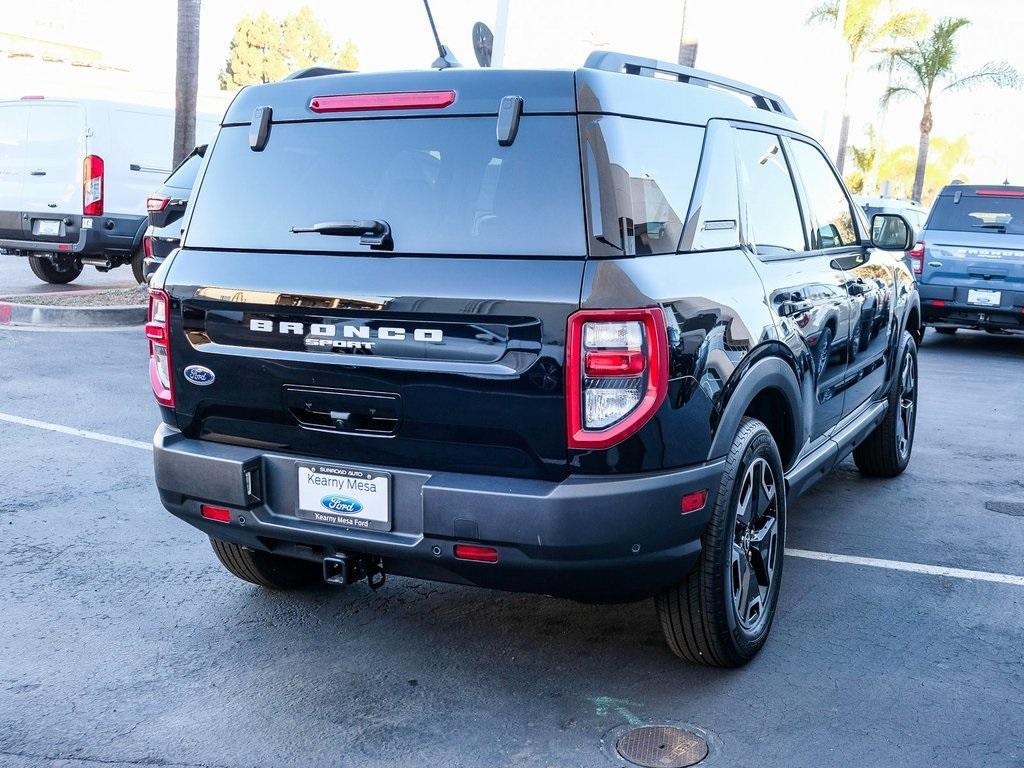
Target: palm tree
<point>862,26</point>
<point>186,79</point>
<point>926,69</point>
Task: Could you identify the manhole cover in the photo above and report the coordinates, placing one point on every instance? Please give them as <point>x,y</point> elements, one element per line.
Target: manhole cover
<point>662,746</point>
<point>1015,508</point>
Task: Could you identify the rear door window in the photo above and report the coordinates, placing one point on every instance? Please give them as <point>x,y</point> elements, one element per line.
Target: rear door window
<point>978,213</point>
<point>773,215</point>
<point>830,208</point>
<point>443,185</point>
<point>640,178</point>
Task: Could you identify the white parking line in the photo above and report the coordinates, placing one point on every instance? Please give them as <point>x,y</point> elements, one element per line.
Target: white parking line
<point>899,565</point>
<point>75,432</point>
<point>806,554</point>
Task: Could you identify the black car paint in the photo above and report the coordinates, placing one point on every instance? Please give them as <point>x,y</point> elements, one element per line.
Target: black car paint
<point>745,336</point>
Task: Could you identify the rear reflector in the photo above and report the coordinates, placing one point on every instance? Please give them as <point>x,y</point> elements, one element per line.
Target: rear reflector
<point>694,502</point>
<point>359,102</point>
<point>475,553</point>
<point>937,303</point>
<point>217,514</point>
<point>1000,192</point>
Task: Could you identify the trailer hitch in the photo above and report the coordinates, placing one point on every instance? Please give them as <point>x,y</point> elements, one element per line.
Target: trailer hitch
<point>342,570</point>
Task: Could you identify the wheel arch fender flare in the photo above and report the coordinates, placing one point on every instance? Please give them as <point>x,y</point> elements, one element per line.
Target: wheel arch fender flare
<point>768,373</point>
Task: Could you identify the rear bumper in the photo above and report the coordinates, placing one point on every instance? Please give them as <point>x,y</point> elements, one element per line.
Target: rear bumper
<point>598,539</point>
<point>947,306</point>
<point>108,234</point>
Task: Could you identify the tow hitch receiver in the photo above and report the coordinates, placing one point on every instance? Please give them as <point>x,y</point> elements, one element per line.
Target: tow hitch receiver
<point>342,570</point>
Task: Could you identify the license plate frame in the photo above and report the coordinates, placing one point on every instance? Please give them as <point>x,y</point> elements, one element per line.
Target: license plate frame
<point>46,227</point>
<point>983,297</point>
<point>344,495</point>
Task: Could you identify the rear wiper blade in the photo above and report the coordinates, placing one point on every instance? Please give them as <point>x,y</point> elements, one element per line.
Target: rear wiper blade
<point>1000,227</point>
<point>375,233</point>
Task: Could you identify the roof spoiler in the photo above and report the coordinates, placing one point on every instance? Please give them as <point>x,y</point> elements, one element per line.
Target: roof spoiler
<point>623,63</point>
<point>302,74</point>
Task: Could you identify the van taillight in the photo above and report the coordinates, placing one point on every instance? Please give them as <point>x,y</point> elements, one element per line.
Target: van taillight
<point>616,373</point>
<point>158,333</point>
<point>92,186</point>
<point>916,255</point>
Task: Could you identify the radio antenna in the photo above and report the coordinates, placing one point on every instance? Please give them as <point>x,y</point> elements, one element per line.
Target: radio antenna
<point>445,58</point>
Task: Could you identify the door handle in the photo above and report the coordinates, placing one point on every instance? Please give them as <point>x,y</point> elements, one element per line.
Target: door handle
<point>37,173</point>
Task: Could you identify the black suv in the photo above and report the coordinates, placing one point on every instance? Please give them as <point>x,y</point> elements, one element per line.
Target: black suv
<point>582,333</point>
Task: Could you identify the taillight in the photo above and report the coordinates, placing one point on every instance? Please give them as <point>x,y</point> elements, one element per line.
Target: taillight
<point>157,331</point>
<point>147,246</point>
<point>360,102</point>
<point>616,373</point>
<point>92,186</point>
<point>916,255</point>
<point>155,204</point>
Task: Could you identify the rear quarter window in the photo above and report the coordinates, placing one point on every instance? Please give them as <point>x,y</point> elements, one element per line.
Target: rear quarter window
<point>444,186</point>
<point>640,176</point>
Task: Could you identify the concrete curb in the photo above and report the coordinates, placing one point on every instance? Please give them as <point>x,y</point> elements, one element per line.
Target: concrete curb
<point>70,317</point>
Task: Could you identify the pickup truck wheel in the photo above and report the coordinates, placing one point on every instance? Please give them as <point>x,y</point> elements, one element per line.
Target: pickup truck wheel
<point>49,272</point>
<point>264,569</point>
<point>721,613</point>
<point>886,451</point>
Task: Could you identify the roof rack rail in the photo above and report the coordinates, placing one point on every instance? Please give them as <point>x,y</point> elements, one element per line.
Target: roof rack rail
<point>612,61</point>
<point>301,74</point>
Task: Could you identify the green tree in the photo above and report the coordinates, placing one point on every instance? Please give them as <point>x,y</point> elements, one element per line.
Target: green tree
<point>265,49</point>
<point>949,159</point>
<point>863,24</point>
<point>927,69</point>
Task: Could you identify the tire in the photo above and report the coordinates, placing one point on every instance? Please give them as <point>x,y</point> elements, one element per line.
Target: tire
<point>709,618</point>
<point>264,569</point>
<point>137,265</point>
<point>49,272</point>
<point>946,331</point>
<point>886,451</point>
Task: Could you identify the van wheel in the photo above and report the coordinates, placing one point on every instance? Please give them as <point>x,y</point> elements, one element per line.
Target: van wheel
<point>264,569</point>
<point>720,614</point>
<point>137,265</point>
<point>886,451</point>
<point>49,272</point>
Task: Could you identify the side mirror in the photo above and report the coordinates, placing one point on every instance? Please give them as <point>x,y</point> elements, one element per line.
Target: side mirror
<point>892,232</point>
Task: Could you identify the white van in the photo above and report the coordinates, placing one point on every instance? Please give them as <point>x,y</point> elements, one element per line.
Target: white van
<point>74,177</point>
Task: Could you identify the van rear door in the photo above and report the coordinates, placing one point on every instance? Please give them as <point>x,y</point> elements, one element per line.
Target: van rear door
<point>13,136</point>
<point>54,153</point>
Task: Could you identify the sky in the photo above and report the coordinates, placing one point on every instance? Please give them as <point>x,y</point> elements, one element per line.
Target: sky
<point>769,44</point>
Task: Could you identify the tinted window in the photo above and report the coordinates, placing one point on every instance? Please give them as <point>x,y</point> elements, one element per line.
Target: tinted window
<point>443,184</point>
<point>184,176</point>
<point>829,207</point>
<point>640,177</point>
<point>978,214</point>
<point>773,215</point>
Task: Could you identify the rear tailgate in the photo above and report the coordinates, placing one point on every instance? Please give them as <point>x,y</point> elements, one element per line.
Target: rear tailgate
<point>445,353</point>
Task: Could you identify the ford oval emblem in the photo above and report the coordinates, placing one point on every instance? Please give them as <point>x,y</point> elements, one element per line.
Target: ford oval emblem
<point>342,504</point>
<point>200,375</point>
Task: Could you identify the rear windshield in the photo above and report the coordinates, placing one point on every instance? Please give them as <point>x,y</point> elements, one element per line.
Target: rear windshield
<point>978,214</point>
<point>444,186</point>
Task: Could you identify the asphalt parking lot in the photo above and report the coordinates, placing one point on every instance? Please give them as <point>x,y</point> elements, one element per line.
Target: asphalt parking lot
<point>124,643</point>
<point>16,279</point>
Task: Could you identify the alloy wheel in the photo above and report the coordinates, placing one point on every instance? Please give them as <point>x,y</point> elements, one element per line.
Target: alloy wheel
<point>907,405</point>
<point>755,549</point>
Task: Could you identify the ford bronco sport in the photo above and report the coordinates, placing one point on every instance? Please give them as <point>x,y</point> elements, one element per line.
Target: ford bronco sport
<point>583,333</point>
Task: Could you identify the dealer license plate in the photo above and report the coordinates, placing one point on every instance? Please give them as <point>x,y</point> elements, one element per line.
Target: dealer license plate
<point>46,228</point>
<point>984,298</point>
<point>348,496</point>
